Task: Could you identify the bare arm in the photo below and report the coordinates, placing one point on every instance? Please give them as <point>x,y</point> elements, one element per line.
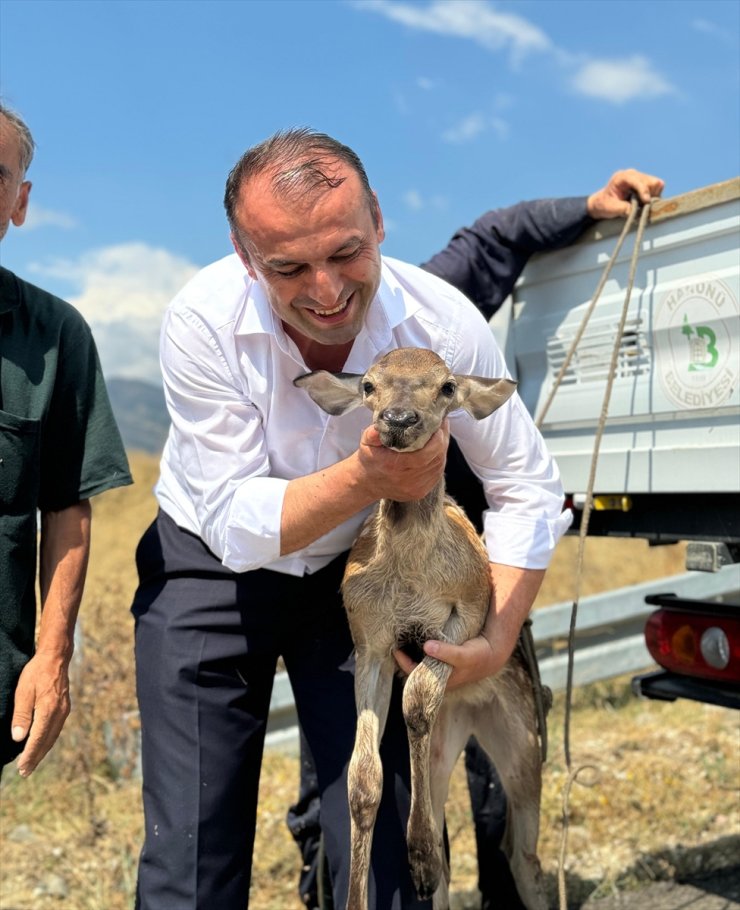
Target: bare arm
<point>514,591</point>
<point>317,503</point>
<point>42,701</point>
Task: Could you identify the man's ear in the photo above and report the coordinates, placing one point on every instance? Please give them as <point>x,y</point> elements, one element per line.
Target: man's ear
<point>244,256</point>
<point>378,219</point>
<point>20,209</point>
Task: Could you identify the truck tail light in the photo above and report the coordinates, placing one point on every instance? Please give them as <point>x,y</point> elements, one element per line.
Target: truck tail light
<point>695,644</point>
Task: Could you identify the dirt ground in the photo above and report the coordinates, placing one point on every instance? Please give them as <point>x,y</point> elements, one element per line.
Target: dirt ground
<point>662,806</point>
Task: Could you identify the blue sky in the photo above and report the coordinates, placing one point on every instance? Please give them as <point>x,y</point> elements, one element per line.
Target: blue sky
<point>140,109</point>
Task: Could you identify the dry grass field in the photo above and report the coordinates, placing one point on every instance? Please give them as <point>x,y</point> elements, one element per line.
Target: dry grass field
<point>664,797</point>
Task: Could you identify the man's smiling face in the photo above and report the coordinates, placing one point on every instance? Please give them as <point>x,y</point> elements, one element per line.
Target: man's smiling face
<point>316,255</point>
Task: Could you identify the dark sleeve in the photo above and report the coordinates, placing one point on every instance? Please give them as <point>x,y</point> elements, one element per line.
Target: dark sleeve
<point>485,260</point>
<point>82,451</point>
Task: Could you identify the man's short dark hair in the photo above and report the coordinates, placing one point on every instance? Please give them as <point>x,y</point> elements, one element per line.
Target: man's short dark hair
<point>301,160</point>
<point>25,139</point>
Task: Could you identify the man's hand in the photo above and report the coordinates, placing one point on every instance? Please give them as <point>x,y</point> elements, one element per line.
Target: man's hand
<point>472,661</point>
<point>403,476</point>
<point>514,591</point>
<point>42,694</point>
<point>613,200</point>
<point>315,504</point>
<point>42,706</point>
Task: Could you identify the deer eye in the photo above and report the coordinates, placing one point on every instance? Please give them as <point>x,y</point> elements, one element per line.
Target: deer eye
<point>448,389</point>
<point>368,388</point>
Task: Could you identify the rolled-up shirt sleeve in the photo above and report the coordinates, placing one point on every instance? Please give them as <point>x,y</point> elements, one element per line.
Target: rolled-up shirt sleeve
<point>216,452</point>
<point>525,519</point>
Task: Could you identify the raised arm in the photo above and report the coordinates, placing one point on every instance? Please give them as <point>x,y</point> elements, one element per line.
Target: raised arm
<point>485,260</point>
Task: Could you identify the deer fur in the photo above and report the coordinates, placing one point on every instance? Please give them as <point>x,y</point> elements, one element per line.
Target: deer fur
<point>417,571</point>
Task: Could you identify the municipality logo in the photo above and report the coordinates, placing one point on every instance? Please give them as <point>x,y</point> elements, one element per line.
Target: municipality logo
<point>697,334</point>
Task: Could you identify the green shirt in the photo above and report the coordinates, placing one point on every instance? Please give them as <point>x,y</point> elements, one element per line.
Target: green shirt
<point>59,444</point>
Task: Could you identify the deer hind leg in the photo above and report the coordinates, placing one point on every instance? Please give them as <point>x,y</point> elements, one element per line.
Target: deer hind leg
<point>450,734</point>
<point>422,699</point>
<point>373,683</point>
<point>507,730</point>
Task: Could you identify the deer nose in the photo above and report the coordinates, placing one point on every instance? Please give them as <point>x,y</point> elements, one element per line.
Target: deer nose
<point>400,417</point>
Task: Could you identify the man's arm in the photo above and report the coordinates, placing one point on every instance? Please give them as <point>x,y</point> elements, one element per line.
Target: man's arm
<point>485,260</point>
<point>514,591</point>
<point>317,503</point>
<point>42,701</point>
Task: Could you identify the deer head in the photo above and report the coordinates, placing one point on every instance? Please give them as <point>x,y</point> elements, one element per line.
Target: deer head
<point>410,391</point>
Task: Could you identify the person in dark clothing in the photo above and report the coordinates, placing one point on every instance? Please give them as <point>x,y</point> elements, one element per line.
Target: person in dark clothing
<point>483,261</point>
<point>59,446</point>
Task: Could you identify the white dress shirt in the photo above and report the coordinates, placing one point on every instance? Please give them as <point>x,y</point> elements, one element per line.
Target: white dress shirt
<point>241,430</point>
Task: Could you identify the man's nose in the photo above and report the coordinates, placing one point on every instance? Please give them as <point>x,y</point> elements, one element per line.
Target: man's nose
<point>326,286</point>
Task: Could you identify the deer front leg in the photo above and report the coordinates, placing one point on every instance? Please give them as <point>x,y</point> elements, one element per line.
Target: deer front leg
<point>373,682</point>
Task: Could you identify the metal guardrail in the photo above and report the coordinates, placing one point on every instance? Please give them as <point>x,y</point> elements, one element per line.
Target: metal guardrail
<point>609,639</point>
<point>609,642</point>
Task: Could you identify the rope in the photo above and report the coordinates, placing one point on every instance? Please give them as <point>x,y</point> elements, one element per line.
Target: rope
<point>582,328</point>
<point>587,506</point>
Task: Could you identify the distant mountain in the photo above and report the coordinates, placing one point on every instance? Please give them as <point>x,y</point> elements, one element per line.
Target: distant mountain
<point>140,412</point>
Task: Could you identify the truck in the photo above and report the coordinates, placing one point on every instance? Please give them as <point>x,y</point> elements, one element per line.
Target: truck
<point>668,463</point>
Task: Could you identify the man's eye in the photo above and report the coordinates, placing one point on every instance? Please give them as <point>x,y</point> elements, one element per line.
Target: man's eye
<point>345,257</point>
<point>291,273</point>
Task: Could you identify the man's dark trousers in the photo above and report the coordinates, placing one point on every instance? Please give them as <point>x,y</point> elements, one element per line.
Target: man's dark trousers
<point>207,645</point>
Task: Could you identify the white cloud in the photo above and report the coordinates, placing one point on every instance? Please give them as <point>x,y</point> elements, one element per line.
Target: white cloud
<point>413,200</point>
<point>124,291</point>
<point>615,81</point>
<point>425,84</point>
<point>714,31</point>
<point>468,128</point>
<point>619,81</point>
<point>474,19</point>
<point>417,203</point>
<point>37,217</point>
<point>472,126</point>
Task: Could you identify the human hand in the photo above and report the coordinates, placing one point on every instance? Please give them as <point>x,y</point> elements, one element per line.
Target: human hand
<point>613,200</point>
<point>514,592</point>
<point>42,705</point>
<point>471,661</point>
<point>403,476</point>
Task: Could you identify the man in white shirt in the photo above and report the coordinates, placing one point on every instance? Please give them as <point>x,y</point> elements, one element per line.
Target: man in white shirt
<point>261,494</point>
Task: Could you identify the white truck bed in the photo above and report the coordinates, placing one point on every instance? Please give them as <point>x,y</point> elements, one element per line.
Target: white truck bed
<point>674,414</point>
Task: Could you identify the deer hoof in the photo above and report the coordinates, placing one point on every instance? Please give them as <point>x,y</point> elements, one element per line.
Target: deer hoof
<point>426,870</point>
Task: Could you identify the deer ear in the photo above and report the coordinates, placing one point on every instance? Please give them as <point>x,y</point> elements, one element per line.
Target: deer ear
<point>336,393</point>
<point>480,396</point>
